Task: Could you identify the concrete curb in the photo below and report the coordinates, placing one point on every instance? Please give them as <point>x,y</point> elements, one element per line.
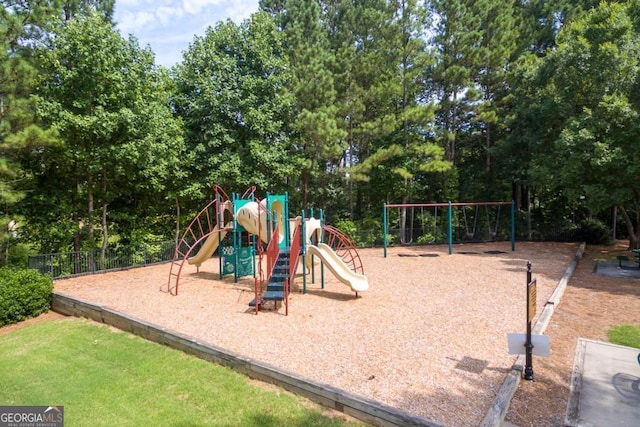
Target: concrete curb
<point>500,405</point>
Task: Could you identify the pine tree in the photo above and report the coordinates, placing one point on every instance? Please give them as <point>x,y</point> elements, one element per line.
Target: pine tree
<point>457,41</point>
<point>318,137</point>
<point>497,51</point>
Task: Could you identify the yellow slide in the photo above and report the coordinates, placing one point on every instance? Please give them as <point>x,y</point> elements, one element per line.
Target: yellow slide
<point>357,282</point>
<point>247,216</point>
<point>210,245</point>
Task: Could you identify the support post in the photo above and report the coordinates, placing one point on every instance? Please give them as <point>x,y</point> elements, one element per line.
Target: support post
<point>450,231</point>
<point>304,254</point>
<point>528,366</point>
<point>384,228</point>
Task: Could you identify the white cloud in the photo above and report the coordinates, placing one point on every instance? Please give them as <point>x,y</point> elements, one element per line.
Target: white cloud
<point>168,15</point>
<point>240,12</point>
<point>194,7</point>
<point>128,22</point>
<point>168,26</point>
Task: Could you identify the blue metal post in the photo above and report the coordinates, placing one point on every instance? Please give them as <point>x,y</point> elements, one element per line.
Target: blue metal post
<point>286,220</point>
<point>384,228</point>
<point>304,255</point>
<point>450,215</point>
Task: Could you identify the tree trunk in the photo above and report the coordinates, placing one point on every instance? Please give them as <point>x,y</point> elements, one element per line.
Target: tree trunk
<point>351,215</point>
<point>451,129</point>
<point>177,220</point>
<point>304,189</point>
<point>105,227</point>
<point>488,141</point>
<point>529,234</point>
<point>75,218</point>
<point>406,236</point>
<point>633,237</point>
<point>90,209</point>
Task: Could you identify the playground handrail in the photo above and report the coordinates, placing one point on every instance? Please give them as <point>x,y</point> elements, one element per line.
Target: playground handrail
<point>273,250</point>
<point>249,192</point>
<point>220,192</point>
<point>345,247</point>
<point>294,252</point>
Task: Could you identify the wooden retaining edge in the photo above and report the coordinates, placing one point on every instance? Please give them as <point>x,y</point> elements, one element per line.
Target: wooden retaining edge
<point>367,410</point>
<point>573,405</point>
<point>500,405</point>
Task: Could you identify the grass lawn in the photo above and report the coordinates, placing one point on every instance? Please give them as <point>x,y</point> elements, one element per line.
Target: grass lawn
<point>106,377</point>
<point>628,335</point>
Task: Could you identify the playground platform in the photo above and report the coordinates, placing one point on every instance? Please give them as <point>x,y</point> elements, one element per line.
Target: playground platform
<point>605,386</point>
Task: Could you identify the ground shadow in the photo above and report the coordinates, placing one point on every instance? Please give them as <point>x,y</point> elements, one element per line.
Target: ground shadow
<point>628,386</point>
<point>336,296</point>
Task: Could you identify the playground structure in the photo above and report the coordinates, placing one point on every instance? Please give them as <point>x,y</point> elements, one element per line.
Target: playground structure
<point>472,222</point>
<point>266,244</point>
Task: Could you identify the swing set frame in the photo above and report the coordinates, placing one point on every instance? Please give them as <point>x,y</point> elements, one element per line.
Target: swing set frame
<point>450,206</point>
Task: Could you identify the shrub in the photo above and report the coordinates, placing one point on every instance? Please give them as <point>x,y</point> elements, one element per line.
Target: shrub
<point>593,232</point>
<point>19,255</point>
<point>23,294</point>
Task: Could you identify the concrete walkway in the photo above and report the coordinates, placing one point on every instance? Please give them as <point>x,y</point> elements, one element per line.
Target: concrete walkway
<point>605,386</point>
<point>613,269</point>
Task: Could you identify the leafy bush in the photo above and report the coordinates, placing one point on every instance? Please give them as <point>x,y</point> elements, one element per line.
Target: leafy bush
<point>425,239</point>
<point>23,294</point>
<point>365,233</point>
<point>19,255</point>
<point>593,232</point>
<point>347,226</point>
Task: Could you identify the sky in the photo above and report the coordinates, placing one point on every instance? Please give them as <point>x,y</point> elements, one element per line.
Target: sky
<point>168,26</point>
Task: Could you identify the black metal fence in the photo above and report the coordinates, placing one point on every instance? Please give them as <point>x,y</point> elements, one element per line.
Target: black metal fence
<point>58,265</point>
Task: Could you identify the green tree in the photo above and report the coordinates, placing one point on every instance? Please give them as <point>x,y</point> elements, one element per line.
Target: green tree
<point>590,91</point>
<point>107,101</point>
<point>406,157</point>
<point>23,25</point>
<point>541,20</point>
<point>497,50</point>
<point>457,41</point>
<point>233,97</point>
<point>366,80</point>
<point>318,136</point>
<point>75,8</point>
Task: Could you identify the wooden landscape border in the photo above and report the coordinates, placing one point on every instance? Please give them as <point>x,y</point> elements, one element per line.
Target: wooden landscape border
<point>367,410</point>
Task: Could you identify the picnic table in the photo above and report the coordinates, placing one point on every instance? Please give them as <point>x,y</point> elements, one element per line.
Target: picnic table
<point>636,254</point>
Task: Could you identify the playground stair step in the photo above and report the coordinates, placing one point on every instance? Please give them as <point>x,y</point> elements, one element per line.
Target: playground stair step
<point>277,282</point>
<point>276,286</point>
<point>278,276</point>
<point>252,303</point>
<point>273,296</point>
